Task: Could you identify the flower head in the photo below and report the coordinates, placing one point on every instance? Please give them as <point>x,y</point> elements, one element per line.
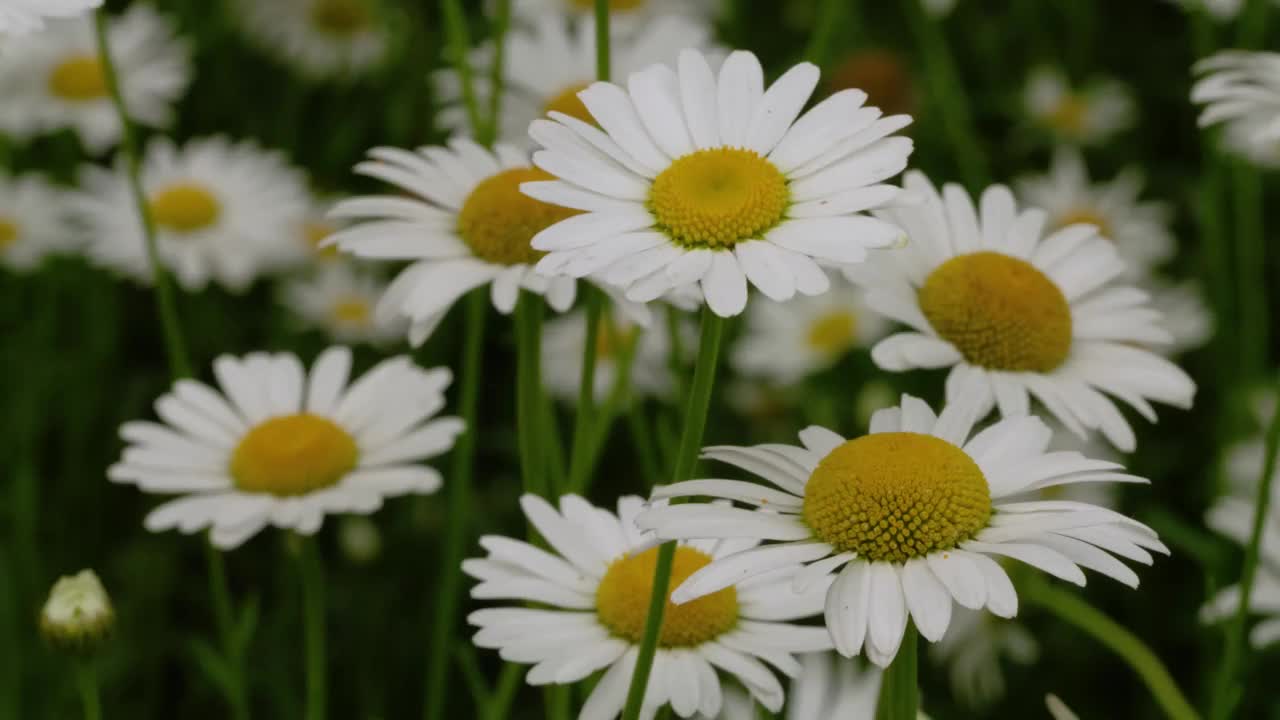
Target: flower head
<point>322,38</point>
<point>1086,116</point>
<point>19,17</point>
<point>78,615</point>
<point>1240,89</point>
<point>33,221</point>
<point>620,343</point>
<point>339,298</point>
<point>625,15</point>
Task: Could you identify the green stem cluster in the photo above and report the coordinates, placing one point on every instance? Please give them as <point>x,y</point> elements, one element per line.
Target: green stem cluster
<point>87,683</point>
<point>311,571</point>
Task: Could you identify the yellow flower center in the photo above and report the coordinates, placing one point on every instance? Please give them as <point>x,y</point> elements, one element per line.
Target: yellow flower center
<point>834,332</point>
<point>622,601</point>
<point>1087,216</point>
<point>1000,312</point>
<point>568,102</point>
<point>352,311</point>
<point>8,233</point>
<point>718,198</point>
<point>896,496</point>
<point>613,4</point>
<point>78,78</point>
<point>340,17</point>
<point>611,340</point>
<point>185,207</point>
<point>498,221</point>
<point>293,455</point>
<point>316,232</point>
<point>1070,114</point>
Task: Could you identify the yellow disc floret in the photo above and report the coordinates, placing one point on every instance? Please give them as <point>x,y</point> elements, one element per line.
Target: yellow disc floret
<point>1086,216</point>
<point>293,455</point>
<point>896,496</point>
<point>8,233</point>
<point>570,104</point>
<point>622,601</point>
<point>718,198</point>
<point>834,332</point>
<point>352,311</point>
<point>185,207</point>
<point>498,221</point>
<point>78,78</point>
<point>340,17</point>
<point>1000,312</point>
<point>1070,115</point>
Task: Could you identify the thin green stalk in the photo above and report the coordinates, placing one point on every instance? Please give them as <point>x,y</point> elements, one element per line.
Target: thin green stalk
<point>459,489</point>
<point>311,571</point>
<point>458,43</point>
<point>504,694</point>
<point>1118,639</point>
<point>829,15</point>
<point>179,365</point>
<point>533,466</point>
<point>1250,259</point>
<point>584,423</point>
<point>642,439</point>
<point>1253,24</point>
<point>900,690</point>
<point>87,680</point>
<point>695,421</point>
<point>619,395</point>
<point>224,617</point>
<point>675,358</point>
<point>501,23</point>
<point>603,55</point>
<point>1226,692</point>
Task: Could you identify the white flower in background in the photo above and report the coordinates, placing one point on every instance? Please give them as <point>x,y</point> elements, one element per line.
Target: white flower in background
<point>19,17</point>
<point>53,81</point>
<point>1086,116</point>
<point>1139,230</point>
<point>464,223</point>
<point>910,516</point>
<point>322,38</point>
<point>699,178</point>
<point>785,342</point>
<point>224,211</point>
<point>564,340</point>
<point>549,63</point>
<point>1221,10</point>
<point>339,298</point>
<point>359,539</point>
<point>282,447</point>
<point>624,14</point>
<point>973,649</point>
<point>990,296</point>
<point>1241,90</point>
<point>33,221</point>
<point>1185,314</point>
<point>828,687</point>
<point>1058,710</point>
<point>938,8</point>
<point>78,615</point>
<point>593,586</point>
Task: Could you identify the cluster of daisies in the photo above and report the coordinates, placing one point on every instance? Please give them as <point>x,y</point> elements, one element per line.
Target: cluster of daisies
<point>689,182</point>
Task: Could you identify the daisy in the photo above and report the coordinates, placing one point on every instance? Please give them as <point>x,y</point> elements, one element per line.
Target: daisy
<point>1087,116</point>
<point>989,296</point>
<point>939,8</point>
<point>459,215</point>
<point>283,447</point>
<point>973,649</point>
<point>339,298</point>
<point>1240,89</point>
<point>592,587</point>
<point>19,17</point>
<point>53,81</point>
<point>223,211</point>
<point>828,686</point>
<point>786,342</point>
<point>1139,230</point>
<point>1220,10</point>
<point>322,38</point>
<point>910,515</point>
<point>625,14</point>
<point>33,224</point>
<point>563,342</point>
<point>549,63</point>
<point>1187,316</point>
<point>714,179</point>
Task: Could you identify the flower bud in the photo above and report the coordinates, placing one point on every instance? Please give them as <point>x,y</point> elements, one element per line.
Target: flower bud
<point>77,617</point>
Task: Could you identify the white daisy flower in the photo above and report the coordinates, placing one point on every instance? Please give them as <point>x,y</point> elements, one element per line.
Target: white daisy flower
<point>827,687</point>
<point>1087,116</point>
<point>991,297</point>
<point>564,340</point>
<point>322,38</point>
<point>340,299</point>
<point>594,586</point>
<point>1220,10</point>
<point>460,216</point>
<point>624,14</point>
<point>910,515</point>
<point>1186,314</point>
<point>714,179</point>
<point>53,81</point>
<point>283,447</point>
<point>938,8</point>
<point>1241,89</point>
<point>224,211</point>
<point>785,342</point>
<point>1140,230</point>
<point>19,17</point>
<point>974,648</point>
<point>549,63</point>
<point>33,222</point>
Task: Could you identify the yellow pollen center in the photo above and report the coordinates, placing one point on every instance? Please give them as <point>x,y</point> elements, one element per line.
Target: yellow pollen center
<point>293,455</point>
<point>896,496</point>
<point>185,207</point>
<point>613,4</point>
<point>1070,114</point>
<point>78,78</point>
<point>833,333</point>
<point>1088,216</point>
<point>316,232</point>
<point>498,221</point>
<point>718,198</point>
<point>622,601</point>
<point>340,17</point>
<point>568,102</point>
<point>999,312</point>
<point>352,311</point>
<point>8,233</point>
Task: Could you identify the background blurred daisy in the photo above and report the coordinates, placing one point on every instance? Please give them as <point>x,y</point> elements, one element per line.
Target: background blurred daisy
<point>322,38</point>
<point>1027,314</point>
<point>881,73</point>
<point>699,178</point>
<point>1242,90</point>
<point>1086,116</point>
<point>53,81</point>
<point>828,687</point>
<point>785,342</point>
<point>33,221</point>
<point>564,340</point>
<point>594,587</point>
<point>282,447</point>
<point>339,298</point>
<point>19,17</point>
<point>624,14</point>
<point>224,211</point>
<point>1221,10</point>
<point>974,649</point>
<point>911,515</point>
<point>1184,313</point>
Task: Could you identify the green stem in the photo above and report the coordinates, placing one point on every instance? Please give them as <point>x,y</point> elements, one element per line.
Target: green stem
<point>642,439</point>
<point>504,694</point>
<point>603,56</point>
<point>1225,693</point>
<point>584,423</point>
<point>459,489</point>
<point>313,610</point>
<point>179,365</point>
<point>1253,24</point>
<point>501,23</point>
<point>900,690</point>
<point>1250,258</point>
<point>829,15</point>
<point>458,43</point>
<point>1116,638</point>
<point>533,463</point>
<point>619,395</point>
<point>87,680</point>
<point>695,421</point>
<point>224,617</point>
